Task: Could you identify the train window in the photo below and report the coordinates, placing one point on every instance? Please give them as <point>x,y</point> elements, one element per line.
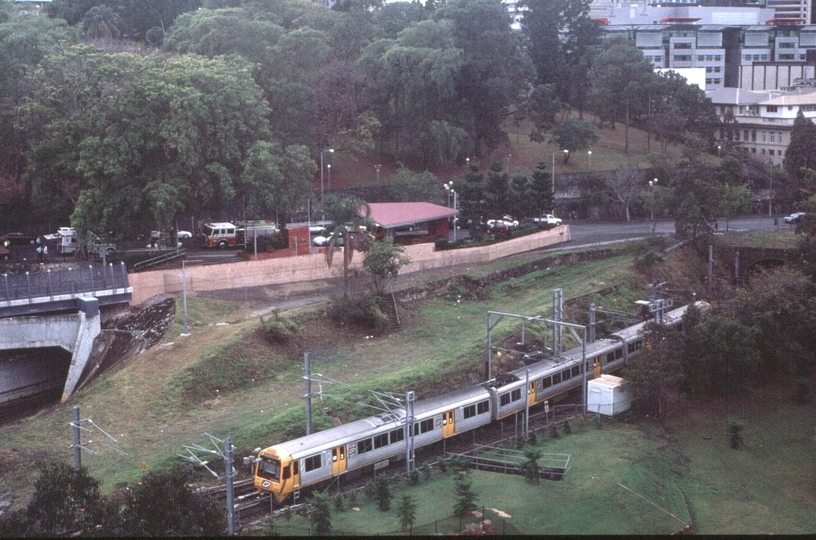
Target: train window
<point>610,356</point>
<point>576,370</point>
<point>639,344</point>
<point>426,425</point>
<point>311,463</point>
<point>269,468</point>
<point>504,399</point>
<point>470,411</point>
<point>287,472</point>
<point>381,440</point>
<point>515,395</point>
<point>546,382</point>
<point>618,353</point>
<point>397,435</point>
<point>295,467</point>
<point>630,347</point>
<point>565,375</point>
<point>364,446</point>
<point>483,407</point>
<point>556,378</point>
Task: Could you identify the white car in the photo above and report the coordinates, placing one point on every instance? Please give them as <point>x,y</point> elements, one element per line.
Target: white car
<point>185,234</point>
<point>321,241</point>
<point>506,222</point>
<point>549,219</point>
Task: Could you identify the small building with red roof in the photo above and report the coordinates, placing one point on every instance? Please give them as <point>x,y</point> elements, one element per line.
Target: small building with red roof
<point>411,222</point>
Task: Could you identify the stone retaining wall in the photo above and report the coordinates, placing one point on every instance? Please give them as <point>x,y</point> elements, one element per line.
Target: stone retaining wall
<point>241,274</point>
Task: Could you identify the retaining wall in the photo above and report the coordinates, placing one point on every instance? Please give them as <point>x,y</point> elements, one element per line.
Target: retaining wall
<point>313,266</point>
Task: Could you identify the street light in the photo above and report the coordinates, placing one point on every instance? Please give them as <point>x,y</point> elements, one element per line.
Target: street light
<point>451,193</point>
<point>329,168</point>
<point>507,161</point>
<point>321,179</point>
<point>467,164</point>
<point>718,150</point>
<point>770,187</point>
<point>377,168</point>
<point>653,185</point>
<point>553,175</point>
<point>589,153</point>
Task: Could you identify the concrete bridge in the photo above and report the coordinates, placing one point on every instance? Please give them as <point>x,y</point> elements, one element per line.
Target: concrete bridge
<point>741,261</point>
<point>53,309</point>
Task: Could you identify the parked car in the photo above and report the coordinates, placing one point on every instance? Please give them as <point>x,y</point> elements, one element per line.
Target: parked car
<point>321,240</point>
<point>16,238</point>
<point>185,234</point>
<point>506,222</point>
<point>549,219</point>
<point>796,217</point>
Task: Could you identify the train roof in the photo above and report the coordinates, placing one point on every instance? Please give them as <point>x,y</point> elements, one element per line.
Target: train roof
<point>328,438</point>
<point>445,402</point>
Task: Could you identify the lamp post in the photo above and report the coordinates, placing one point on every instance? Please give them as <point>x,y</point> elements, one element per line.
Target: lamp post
<point>589,154</point>
<point>652,186</point>
<point>719,148</point>
<point>329,168</point>
<point>770,187</point>
<point>467,165</point>
<point>507,162</point>
<point>553,175</point>
<point>377,168</point>
<point>451,194</point>
<point>321,180</point>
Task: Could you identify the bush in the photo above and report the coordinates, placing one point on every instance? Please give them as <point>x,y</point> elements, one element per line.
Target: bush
<point>567,427</point>
<point>443,466</point>
<point>265,241</point>
<point>414,477</point>
<point>278,329</point>
<point>383,493</point>
<point>362,310</point>
<point>553,431</point>
<point>735,428</point>
<point>370,490</point>
<point>338,502</point>
<point>352,497</point>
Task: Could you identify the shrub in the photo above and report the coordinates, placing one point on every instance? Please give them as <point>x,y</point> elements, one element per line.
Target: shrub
<point>443,466</point>
<point>338,502</point>
<point>414,477</point>
<point>460,464</point>
<point>287,513</point>
<point>363,310</point>
<point>352,497</point>
<point>370,490</point>
<point>533,440</point>
<point>735,428</point>
<point>278,329</point>
<point>321,514</point>
<point>553,431</point>
<point>567,427</point>
<point>383,492</point>
<point>266,241</point>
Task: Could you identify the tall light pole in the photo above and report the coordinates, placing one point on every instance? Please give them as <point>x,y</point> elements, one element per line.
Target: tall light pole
<point>451,193</point>
<point>467,165</point>
<point>719,149</point>
<point>553,175</point>
<point>770,187</point>
<point>329,168</point>
<point>652,185</point>
<point>377,168</point>
<point>507,161</point>
<point>589,154</point>
<point>321,181</point>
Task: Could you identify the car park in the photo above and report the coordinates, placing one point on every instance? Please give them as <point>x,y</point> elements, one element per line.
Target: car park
<point>16,238</point>
<point>796,217</point>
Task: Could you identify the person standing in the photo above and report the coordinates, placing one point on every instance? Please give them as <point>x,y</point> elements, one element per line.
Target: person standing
<point>45,252</point>
<point>39,254</point>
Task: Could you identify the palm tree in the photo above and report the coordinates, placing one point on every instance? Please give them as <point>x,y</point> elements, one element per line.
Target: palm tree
<point>349,215</point>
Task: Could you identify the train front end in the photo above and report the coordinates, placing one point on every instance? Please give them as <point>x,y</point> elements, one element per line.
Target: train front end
<point>276,472</point>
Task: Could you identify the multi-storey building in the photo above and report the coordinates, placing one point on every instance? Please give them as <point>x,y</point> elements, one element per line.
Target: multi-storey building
<point>761,122</point>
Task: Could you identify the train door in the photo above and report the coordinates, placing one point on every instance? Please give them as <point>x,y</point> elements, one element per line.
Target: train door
<point>531,393</point>
<point>597,372</point>
<point>339,460</point>
<point>448,423</point>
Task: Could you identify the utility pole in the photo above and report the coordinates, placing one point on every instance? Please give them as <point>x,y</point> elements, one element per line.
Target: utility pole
<point>308,396</point>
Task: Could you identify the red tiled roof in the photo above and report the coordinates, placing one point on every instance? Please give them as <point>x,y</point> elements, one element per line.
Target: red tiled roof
<point>390,215</point>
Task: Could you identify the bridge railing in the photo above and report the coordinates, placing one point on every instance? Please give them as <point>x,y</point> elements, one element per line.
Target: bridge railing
<point>73,281</point>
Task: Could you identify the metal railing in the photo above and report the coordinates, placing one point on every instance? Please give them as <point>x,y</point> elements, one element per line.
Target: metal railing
<point>73,281</point>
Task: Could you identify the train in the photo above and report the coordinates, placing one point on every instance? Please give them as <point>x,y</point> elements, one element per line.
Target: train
<point>289,467</point>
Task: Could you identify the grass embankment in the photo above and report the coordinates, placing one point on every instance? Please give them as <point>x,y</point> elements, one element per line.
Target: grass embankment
<point>187,385</point>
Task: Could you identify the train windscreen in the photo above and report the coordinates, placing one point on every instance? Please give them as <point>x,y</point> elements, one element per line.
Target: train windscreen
<point>269,469</point>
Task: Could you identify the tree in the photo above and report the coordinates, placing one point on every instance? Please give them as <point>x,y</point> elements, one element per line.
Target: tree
<point>383,490</point>
<point>346,215</point>
<point>623,186</point>
<point>409,186</point>
<point>383,260</point>
<point>656,375</point>
<point>574,135</point>
<point>618,76</point>
<point>473,200</point>
<point>321,514</point>
<point>542,108</point>
<point>530,465</point>
<point>466,501</point>
<point>800,153</point>
<point>498,191</point>
<point>721,358</point>
<point>406,508</point>
<point>65,501</point>
<point>734,200</point>
<point>179,511</point>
